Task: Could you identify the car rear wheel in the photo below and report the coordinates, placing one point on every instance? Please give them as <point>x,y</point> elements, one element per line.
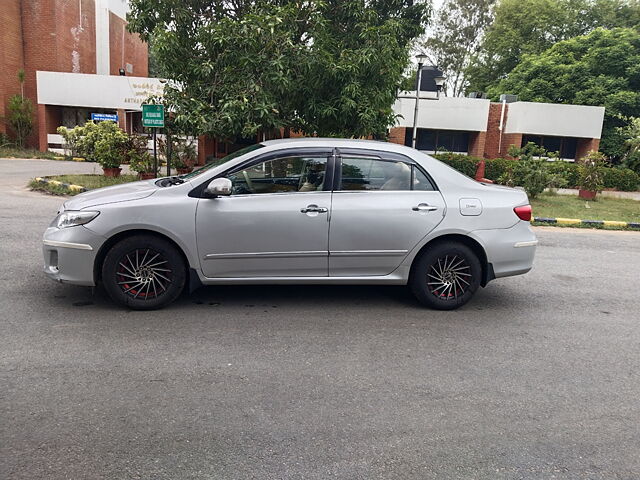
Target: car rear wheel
<point>446,276</point>
<point>143,272</point>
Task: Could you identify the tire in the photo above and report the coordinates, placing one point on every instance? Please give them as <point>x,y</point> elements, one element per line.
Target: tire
<point>446,276</point>
<point>143,272</point>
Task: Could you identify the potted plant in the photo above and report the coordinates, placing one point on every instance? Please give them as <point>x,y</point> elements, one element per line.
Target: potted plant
<point>143,165</point>
<point>138,156</point>
<point>591,175</point>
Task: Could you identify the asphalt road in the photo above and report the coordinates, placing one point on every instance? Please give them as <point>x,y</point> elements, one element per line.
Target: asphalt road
<point>537,378</point>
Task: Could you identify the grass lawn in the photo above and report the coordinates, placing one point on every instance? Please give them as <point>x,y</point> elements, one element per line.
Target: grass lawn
<point>90,182</point>
<point>13,152</point>
<point>570,206</point>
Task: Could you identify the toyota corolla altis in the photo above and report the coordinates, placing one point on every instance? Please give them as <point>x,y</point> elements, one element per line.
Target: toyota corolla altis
<point>314,211</point>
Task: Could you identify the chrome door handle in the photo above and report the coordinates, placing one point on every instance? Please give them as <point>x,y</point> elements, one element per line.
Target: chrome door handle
<point>314,209</point>
<point>424,207</point>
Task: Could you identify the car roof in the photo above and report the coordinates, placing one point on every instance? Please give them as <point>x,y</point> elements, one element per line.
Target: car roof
<point>339,143</point>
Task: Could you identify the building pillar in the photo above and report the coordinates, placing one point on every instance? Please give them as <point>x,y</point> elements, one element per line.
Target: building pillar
<point>206,147</point>
<point>122,119</point>
<point>585,145</point>
<point>43,142</point>
<point>397,135</point>
<point>477,141</point>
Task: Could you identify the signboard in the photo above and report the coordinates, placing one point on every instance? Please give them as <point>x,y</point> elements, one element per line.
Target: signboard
<point>104,117</point>
<point>153,116</point>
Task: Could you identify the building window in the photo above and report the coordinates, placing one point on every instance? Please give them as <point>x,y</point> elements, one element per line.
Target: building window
<point>565,146</point>
<point>430,141</point>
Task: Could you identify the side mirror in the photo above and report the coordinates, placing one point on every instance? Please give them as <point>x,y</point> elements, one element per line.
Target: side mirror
<point>219,187</point>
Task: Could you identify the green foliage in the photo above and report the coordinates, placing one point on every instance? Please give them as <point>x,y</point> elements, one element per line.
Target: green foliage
<point>463,163</point>
<point>20,118</point>
<point>601,68</point>
<point>569,171</point>
<point>4,140</point>
<point>102,142</point>
<point>592,172</point>
<point>529,27</point>
<point>631,134</point>
<point>622,179</point>
<point>561,174</point>
<point>322,67</point>
<point>137,154</point>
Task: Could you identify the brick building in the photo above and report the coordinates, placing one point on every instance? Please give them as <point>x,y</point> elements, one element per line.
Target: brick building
<point>481,128</point>
<point>74,37</point>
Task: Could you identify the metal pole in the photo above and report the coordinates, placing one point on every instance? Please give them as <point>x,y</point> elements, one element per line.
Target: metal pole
<point>167,139</point>
<point>415,112</point>
<point>155,155</point>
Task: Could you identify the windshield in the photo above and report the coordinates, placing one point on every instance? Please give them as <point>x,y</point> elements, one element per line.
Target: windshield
<point>219,161</point>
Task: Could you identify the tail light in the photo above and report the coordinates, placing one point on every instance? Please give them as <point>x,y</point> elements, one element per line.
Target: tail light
<point>523,212</point>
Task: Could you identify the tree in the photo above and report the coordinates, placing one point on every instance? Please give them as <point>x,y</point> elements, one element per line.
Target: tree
<point>237,68</point>
<point>601,68</point>
<point>525,27</point>
<point>456,38</point>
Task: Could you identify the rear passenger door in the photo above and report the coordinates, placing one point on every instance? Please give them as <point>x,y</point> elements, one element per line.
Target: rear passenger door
<point>382,206</point>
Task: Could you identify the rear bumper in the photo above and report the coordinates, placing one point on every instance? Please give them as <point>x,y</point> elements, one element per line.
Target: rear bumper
<point>511,250</point>
<point>69,254</point>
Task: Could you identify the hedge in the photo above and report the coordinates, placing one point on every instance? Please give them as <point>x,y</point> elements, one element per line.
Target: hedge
<point>623,179</point>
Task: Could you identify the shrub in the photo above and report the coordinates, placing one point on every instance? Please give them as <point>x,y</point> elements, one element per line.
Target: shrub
<point>497,167</point>
<point>568,170</point>
<point>137,155</point>
<point>20,118</point>
<point>623,179</point>
<point>463,163</point>
<point>102,142</point>
<point>4,140</point>
<point>592,172</point>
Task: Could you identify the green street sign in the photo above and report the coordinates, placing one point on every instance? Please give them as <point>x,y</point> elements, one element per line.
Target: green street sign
<point>153,116</point>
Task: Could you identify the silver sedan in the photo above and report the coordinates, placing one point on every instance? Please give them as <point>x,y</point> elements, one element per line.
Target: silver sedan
<point>312,210</point>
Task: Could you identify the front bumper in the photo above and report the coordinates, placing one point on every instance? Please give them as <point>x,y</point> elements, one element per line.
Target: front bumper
<point>509,250</point>
<point>69,254</point>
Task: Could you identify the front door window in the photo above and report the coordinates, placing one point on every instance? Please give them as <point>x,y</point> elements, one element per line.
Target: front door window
<point>281,175</point>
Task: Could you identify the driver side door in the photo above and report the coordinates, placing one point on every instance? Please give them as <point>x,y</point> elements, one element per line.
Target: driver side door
<point>274,224</point>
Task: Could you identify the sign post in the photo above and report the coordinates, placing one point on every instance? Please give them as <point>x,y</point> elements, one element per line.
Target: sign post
<point>153,117</point>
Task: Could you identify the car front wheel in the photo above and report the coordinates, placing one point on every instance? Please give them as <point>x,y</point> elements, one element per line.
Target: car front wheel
<point>143,272</point>
<point>446,276</point>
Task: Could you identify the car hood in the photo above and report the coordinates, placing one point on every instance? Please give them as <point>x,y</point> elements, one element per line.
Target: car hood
<point>117,193</point>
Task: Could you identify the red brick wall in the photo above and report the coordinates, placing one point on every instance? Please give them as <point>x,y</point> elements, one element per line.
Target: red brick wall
<point>11,54</point>
<point>59,36</point>
<point>134,51</point>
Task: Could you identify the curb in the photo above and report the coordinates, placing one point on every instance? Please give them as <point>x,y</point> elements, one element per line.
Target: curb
<point>56,183</point>
<point>577,221</point>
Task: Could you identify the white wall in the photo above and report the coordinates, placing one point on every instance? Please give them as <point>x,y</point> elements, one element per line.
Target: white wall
<point>98,91</point>
<point>446,113</point>
<point>555,119</point>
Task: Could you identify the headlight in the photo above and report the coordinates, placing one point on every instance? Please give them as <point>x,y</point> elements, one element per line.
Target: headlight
<point>72,218</point>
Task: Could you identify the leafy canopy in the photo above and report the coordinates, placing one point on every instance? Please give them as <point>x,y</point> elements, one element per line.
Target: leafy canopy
<point>601,68</point>
<point>523,27</point>
<point>329,67</point>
